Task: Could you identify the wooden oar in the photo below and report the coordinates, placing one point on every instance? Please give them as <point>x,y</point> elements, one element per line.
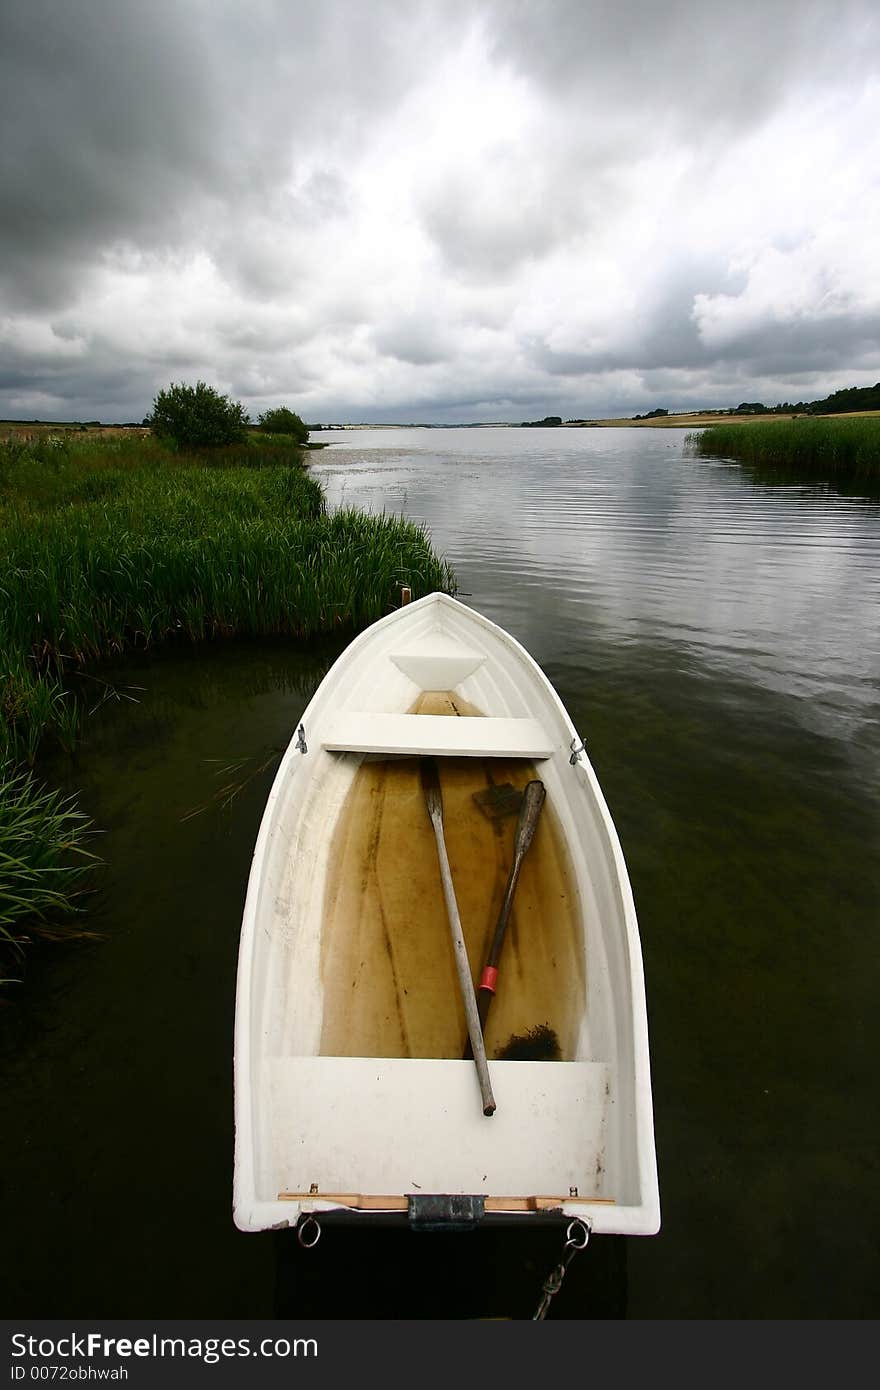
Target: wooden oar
<point>529,811</point>
<point>434,802</point>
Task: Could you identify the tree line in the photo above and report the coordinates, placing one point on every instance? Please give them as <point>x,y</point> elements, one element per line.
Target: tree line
<point>199,417</point>
<point>841,402</point>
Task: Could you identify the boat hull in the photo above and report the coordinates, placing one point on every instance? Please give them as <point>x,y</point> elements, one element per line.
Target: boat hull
<point>352,1092</point>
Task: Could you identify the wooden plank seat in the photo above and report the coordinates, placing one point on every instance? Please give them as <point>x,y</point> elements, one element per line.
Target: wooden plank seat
<point>436,735</point>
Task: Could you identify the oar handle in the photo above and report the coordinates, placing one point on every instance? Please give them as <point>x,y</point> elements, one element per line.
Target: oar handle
<point>431,784</point>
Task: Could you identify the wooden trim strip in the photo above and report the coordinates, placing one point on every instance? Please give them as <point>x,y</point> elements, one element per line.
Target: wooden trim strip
<point>368,1201</point>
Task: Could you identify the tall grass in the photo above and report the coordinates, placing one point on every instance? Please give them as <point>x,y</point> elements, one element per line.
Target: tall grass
<point>828,450</point>
<point>43,858</point>
<point>117,543</point>
<point>47,468</point>
<point>102,556</point>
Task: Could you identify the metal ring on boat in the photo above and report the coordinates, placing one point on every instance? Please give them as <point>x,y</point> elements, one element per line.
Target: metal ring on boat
<point>578,1234</point>
<point>304,1231</point>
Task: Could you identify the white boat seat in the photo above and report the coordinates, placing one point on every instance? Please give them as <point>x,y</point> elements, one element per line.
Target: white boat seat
<point>342,1124</point>
<point>436,734</point>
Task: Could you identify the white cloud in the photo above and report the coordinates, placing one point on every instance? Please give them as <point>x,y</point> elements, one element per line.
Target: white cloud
<point>438,210</point>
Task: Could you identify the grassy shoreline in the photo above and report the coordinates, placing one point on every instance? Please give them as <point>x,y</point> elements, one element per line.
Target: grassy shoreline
<point>829,449</point>
<point>697,419</point>
<point>119,543</point>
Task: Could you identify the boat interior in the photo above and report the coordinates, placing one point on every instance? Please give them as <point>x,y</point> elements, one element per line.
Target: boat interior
<point>388,968</point>
<point>390,991</point>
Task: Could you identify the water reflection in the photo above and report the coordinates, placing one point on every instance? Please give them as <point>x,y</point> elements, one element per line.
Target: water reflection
<point>599,539</point>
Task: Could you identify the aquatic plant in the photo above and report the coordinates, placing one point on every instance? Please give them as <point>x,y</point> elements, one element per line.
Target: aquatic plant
<point>123,542</point>
<point>126,549</point>
<point>43,859</point>
<point>52,469</point>
<point>827,450</point>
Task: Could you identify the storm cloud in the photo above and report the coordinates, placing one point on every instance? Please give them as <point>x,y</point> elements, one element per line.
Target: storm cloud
<point>443,211</point>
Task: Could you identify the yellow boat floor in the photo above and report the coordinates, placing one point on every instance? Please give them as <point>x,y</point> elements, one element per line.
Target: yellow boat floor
<point>388,968</point>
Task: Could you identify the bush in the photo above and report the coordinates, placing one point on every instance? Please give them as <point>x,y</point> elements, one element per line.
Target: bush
<point>198,416</point>
<point>284,421</point>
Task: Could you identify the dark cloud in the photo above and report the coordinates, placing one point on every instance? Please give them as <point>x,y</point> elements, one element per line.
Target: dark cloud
<point>807,345</point>
<point>158,124</point>
<point>498,208</point>
<point>106,135</point>
<point>682,67</point>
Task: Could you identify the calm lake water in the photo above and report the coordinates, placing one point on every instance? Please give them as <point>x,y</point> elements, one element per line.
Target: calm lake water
<point>717,644</point>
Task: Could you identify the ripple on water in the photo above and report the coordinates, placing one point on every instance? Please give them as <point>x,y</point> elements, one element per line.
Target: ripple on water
<point>619,535</point>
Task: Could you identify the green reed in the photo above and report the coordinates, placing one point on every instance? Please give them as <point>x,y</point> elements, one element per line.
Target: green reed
<point>57,468</point>
<point>120,543</point>
<point>827,450</point>
<point>104,553</point>
<point>43,859</point>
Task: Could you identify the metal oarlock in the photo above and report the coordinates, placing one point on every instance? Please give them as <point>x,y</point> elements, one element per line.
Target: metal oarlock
<point>576,747</point>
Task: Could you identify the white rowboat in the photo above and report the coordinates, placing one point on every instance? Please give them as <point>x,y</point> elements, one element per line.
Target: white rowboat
<point>355,1096</point>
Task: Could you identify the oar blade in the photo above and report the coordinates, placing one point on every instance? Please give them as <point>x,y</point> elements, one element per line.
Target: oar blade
<point>530,810</point>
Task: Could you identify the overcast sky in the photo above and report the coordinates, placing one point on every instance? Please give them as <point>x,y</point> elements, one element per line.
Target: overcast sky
<point>437,210</point>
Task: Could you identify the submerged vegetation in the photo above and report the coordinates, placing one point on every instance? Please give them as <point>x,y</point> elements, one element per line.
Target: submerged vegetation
<point>826,450</point>
<point>126,542</point>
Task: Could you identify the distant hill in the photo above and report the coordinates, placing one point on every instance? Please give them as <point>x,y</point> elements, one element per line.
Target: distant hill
<point>838,403</point>
<point>850,398</point>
